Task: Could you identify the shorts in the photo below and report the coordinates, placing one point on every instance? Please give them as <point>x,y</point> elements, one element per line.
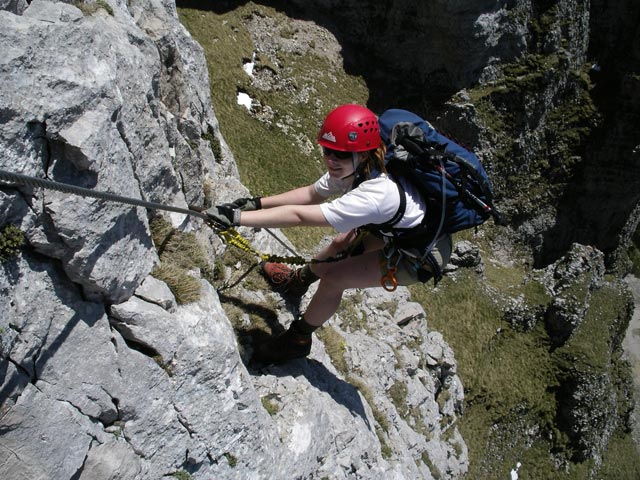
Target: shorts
<point>409,272</point>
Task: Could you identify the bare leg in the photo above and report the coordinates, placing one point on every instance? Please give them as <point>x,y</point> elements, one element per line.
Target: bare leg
<point>339,244</point>
<point>362,271</point>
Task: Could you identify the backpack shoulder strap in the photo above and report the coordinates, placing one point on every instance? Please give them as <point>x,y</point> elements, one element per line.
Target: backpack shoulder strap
<point>402,208</point>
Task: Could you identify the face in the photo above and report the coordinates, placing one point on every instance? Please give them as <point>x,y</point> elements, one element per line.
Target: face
<point>339,164</point>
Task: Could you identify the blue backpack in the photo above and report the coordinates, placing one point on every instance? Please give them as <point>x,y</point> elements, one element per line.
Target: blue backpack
<point>451,180</point>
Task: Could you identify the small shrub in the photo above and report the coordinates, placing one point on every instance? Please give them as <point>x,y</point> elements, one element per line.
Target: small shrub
<point>435,472</point>
<point>233,461</point>
<point>181,475</point>
<point>11,240</point>
<point>271,407</point>
<point>398,394</point>
<point>184,287</point>
<point>210,137</point>
<point>335,346</point>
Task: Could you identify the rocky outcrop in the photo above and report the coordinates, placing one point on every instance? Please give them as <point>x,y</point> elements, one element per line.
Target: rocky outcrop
<point>437,48</point>
<point>103,374</point>
<point>587,320</point>
<point>575,276</point>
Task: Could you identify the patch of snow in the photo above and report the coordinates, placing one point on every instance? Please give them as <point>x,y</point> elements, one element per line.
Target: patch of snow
<point>514,471</point>
<point>248,67</point>
<point>244,99</point>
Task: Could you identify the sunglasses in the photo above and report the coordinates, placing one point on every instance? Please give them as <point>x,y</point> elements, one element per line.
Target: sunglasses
<point>336,153</point>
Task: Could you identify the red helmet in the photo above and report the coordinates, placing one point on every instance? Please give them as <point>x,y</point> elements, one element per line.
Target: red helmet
<point>350,128</point>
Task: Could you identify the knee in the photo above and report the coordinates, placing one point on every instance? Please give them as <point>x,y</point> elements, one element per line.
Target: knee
<point>340,243</point>
<point>335,278</point>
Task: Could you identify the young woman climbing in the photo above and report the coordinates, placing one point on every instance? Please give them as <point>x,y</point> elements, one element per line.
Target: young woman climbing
<point>366,197</point>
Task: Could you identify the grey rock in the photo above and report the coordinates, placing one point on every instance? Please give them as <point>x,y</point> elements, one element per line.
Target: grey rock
<point>113,459</point>
<point>149,325</point>
<point>521,315</point>
<point>79,142</point>
<point>156,291</point>
<point>466,254</point>
<point>408,311</point>
<point>52,11</point>
<point>14,6</point>
<point>125,110</point>
<point>575,276</point>
<point>44,437</point>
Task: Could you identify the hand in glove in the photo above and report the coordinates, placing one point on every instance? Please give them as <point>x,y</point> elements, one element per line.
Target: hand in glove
<point>246,204</point>
<point>224,216</point>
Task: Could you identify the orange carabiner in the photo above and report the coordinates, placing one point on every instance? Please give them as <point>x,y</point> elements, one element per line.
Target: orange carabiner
<point>389,281</point>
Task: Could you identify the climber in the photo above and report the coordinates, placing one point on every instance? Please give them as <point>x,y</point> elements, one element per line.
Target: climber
<point>367,196</point>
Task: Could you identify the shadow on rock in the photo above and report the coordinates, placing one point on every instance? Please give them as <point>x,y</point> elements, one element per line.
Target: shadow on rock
<point>320,378</point>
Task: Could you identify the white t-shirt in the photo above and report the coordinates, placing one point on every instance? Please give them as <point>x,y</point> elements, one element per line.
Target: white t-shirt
<point>373,201</point>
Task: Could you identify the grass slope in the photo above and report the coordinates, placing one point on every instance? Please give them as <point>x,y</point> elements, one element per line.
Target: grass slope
<point>510,377</point>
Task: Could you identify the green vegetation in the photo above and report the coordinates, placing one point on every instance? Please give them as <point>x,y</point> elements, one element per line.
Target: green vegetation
<point>398,395</point>
<point>214,144</point>
<point>538,111</point>
<point>275,149</point>
<point>93,7</point>
<point>512,379</point>
<point>382,427</point>
<point>233,461</point>
<point>353,319</point>
<point>435,472</point>
<point>634,253</point>
<point>335,346</point>
<point>179,253</point>
<point>181,475</point>
<point>11,240</point>
<point>621,459</point>
<point>269,405</point>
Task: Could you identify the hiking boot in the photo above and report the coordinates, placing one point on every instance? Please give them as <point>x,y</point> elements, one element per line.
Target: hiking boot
<point>285,279</point>
<point>284,347</point>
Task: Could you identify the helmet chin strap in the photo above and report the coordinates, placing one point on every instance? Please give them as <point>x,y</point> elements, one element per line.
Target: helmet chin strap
<point>356,163</point>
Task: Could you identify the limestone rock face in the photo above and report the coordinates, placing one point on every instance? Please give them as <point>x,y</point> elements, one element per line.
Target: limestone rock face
<point>102,373</point>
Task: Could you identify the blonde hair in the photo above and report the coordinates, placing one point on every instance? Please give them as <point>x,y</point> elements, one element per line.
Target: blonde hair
<point>374,160</point>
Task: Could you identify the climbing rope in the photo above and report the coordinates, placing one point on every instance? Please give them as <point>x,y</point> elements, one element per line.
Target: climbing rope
<point>85,192</point>
<point>229,236</point>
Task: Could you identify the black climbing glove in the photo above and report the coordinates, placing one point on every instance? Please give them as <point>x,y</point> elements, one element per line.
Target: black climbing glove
<point>224,216</point>
<point>246,204</point>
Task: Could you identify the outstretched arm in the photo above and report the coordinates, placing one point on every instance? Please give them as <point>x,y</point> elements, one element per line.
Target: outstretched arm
<point>300,196</point>
<point>285,216</point>
<point>300,208</point>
